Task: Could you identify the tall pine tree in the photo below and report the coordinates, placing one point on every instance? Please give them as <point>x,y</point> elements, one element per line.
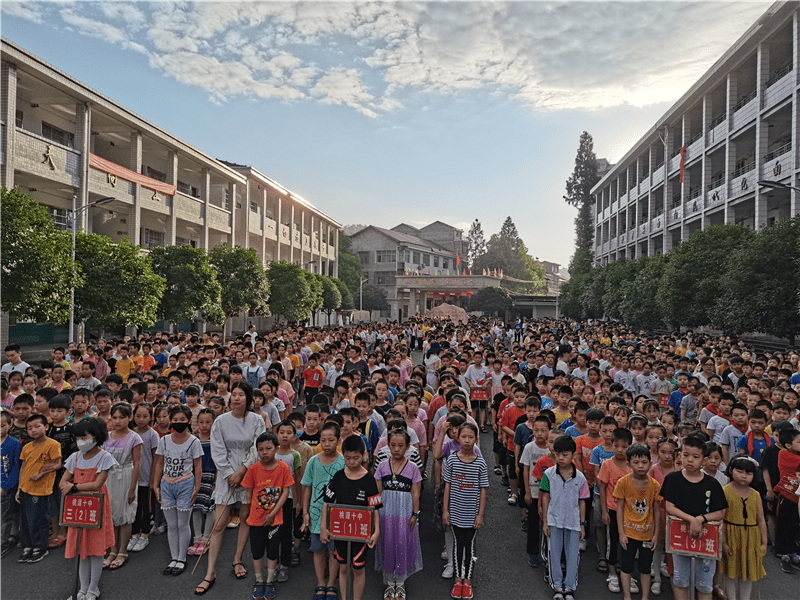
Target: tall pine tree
<point>579,188</point>
<point>476,244</point>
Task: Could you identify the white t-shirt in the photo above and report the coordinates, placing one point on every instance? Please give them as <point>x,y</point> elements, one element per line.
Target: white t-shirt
<point>8,367</point>
<point>717,424</point>
<point>179,458</point>
<point>530,456</point>
<point>102,462</point>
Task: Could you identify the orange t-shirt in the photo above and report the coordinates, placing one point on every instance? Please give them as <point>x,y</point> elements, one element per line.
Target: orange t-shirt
<point>585,447</point>
<point>637,512</point>
<point>610,474</point>
<point>510,420</point>
<point>267,485</point>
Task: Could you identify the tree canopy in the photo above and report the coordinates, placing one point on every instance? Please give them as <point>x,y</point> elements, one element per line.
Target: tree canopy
<point>243,282</point>
<point>506,251</point>
<point>350,268</point>
<point>579,188</point>
<point>289,291</point>
<point>375,298</point>
<point>492,300</point>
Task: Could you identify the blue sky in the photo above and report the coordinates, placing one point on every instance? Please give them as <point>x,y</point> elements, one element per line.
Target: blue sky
<point>381,113</point>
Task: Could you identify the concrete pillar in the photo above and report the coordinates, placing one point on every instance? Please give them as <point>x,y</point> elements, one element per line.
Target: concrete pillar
<point>205,195</point>
<point>83,136</point>
<point>320,240</point>
<point>291,233</point>
<point>8,113</point>
<point>762,71</point>
<point>762,139</point>
<point>303,260</point>
<point>171,220</point>
<point>264,226</point>
<point>278,231</point>
<point>336,253</point>
<point>232,196</point>
<point>135,211</point>
<point>794,197</point>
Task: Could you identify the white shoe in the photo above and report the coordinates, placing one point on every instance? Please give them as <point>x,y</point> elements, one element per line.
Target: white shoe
<point>141,544</point>
<point>132,542</point>
<point>582,545</point>
<point>655,588</point>
<point>664,570</point>
<point>613,583</point>
<point>634,586</point>
<point>448,571</point>
<point>444,554</point>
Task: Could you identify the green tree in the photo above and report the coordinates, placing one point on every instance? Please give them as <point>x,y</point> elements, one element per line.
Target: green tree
<point>350,268</point>
<point>615,275</point>
<point>476,244</point>
<point>375,298</point>
<point>315,297</point>
<point>571,296</point>
<point>492,300</point>
<point>120,288</point>
<point>37,266</point>
<point>760,286</point>
<point>192,284</point>
<point>639,306</point>
<point>581,261</point>
<point>347,296</point>
<point>289,291</point>
<point>243,281</point>
<point>506,251</point>
<point>579,191</point>
<point>331,296</point>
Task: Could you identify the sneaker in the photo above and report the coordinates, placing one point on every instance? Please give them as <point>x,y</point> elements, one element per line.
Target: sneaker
<point>524,524</point>
<point>634,586</point>
<point>38,554</point>
<point>655,588</point>
<point>558,596</point>
<point>283,574</point>
<point>613,584</point>
<point>447,572</point>
<point>512,500</point>
<point>533,560</point>
<point>466,590</point>
<point>570,595</point>
<point>132,542</point>
<point>444,554</point>
<point>786,564</point>
<point>582,545</point>
<point>26,555</point>
<point>258,591</point>
<point>233,523</point>
<point>269,591</point>
<point>141,544</point>
<point>160,530</point>
<point>457,590</point>
<point>664,570</point>
<point>796,560</point>
<point>504,480</point>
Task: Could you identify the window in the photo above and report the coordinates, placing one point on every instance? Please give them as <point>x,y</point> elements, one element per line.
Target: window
<point>416,258</point>
<point>254,207</point>
<point>189,190</point>
<point>51,132</point>
<point>20,115</point>
<point>445,263</point>
<point>426,260</point>
<point>153,174</point>
<point>152,239</point>
<point>384,278</point>
<point>385,256</point>
<point>60,217</point>
<point>436,261</point>
<point>179,241</point>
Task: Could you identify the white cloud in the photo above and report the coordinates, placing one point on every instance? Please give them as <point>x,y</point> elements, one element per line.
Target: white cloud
<point>103,31</point>
<point>343,86</point>
<point>31,11</point>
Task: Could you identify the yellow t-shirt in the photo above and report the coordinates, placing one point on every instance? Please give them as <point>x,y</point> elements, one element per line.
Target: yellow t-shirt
<point>33,459</point>
<point>124,368</point>
<point>637,516</point>
<point>560,416</point>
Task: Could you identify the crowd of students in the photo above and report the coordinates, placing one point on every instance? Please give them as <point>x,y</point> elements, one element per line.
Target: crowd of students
<point>598,434</point>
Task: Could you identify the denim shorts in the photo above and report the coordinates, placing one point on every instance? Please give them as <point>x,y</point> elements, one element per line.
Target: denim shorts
<point>317,545</point>
<point>703,573</point>
<point>177,495</point>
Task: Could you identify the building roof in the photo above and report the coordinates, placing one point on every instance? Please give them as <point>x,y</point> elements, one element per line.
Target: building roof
<point>396,227</point>
<point>441,223</point>
<point>402,238</point>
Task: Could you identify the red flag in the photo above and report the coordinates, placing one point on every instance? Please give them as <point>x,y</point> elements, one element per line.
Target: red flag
<point>458,260</point>
<point>683,156</point>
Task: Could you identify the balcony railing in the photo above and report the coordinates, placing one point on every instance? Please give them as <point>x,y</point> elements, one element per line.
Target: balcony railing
<point>778,152</point>
<point>695,193</point>
<point>779,74</point>
<point>676,201</point>
<point>744,100</point>
<point>715,183</point>
<point>658,166</point>
<point>743,169</point>
<point>695,137</point>
<point>717,120</point>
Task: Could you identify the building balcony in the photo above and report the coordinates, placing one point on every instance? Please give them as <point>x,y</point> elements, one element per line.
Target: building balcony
<point>779,87</point>
<point>716,196</point>
<point>188,208</point>
<point>675,214</point>
<point>270,228</point>
<point>693,206</point>
<point>297,240</point>
<point>717,130</point>
<point>658,175</point>
<point>306,242</point>
<point>657,222</point>
<point>695,193</point>
<point>613,244</point>
<point>254,224</point>
<point>219,218</point>
<point>286,234</point>
<point>745,110</point>
<point>644,228</point>
<point>48,159</point>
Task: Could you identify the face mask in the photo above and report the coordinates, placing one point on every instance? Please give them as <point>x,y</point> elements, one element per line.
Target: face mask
<point>179,427</point>
<point>85,446</point>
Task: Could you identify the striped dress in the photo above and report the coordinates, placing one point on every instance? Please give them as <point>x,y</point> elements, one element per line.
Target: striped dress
<point>466,480</point>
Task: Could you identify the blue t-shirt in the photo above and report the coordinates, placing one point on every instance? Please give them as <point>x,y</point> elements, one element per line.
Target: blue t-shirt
<point>522,435</point>
<point>547,403</point>
<point>9,463</point>
<point>566,424</point>
<point>599,456</point>
<point>573,432</point>
<point>758,445</point>
<point>675,402</point>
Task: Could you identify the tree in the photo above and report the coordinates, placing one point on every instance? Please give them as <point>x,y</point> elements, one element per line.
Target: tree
<point>314,299</point>
<point>120,288</point>
<point>579,191</point>
<point>491,299</point>
<point>581,261</point>
<point>347,297</point>
<point>506,251</point>
<point>289,291</point>
<point>242,279</point>
<point>350,268</point>
<point>331,296</point>
<point>639,306</point>
<point>192,284</point>
<point>37,266</point>
<point>476,244</point>
<point>375,298</point>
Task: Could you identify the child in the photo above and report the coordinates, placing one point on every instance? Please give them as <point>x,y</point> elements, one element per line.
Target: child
<point>192,396</point>
<point>353,486</point>
<point>87,471</point>
<point>399,482</point>
<point>667,448</point>
<point>651,411</point>
<point>787,522</point>
<point>712,462</point>
<point>534,450</point>
<point>162,420</point>
<point>717,423</point>
<point>466,478</point>
<point>696,498</point>
<point>669,420</point>
<point>639,521</point>
<point>203,507</point>
<point>580,427</point>
<point>318,473</point>
<point>268,482</point>
<point>40,458</point>
<point>772,475</point>
<point>10,449</point>
<point>126,448</point>
<point>637,425</point>
<point>290,549</point>
<point>610,473</point>
<point>733,432</point>
<point>177,473</point>
<point>142,417</point>
<point>23,407</point>
<point>60,430</point>
<point>81,401</point>
<point>755,441</point>
<point>562,487</point>
<point>652,434</point>
<point>311,431</point>
<point>601,453</point>
<point>745,542</point>
<point>102,403</point>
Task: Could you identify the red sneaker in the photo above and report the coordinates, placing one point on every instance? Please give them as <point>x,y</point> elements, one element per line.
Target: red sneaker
<point>456,593</point>
<point>466,590</point>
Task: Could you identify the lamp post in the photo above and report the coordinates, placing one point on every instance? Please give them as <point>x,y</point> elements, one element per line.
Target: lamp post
<point>74,225</point>
<point>776,185</point>
<point>361,294</point>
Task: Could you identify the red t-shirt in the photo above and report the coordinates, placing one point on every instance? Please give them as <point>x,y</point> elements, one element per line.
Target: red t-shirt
<point>437,403</point>
<point>585,447</point>
<point>510,420</point>
<point>542,465</point>
<point>313,377</point>
<point>267,485</point>
<point>789,467</point>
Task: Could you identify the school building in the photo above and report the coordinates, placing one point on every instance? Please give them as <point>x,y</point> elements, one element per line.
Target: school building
<point>699,164</point>
<point>63,140</point>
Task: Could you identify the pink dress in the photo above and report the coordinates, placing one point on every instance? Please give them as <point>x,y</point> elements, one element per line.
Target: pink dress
<point>94,542</point>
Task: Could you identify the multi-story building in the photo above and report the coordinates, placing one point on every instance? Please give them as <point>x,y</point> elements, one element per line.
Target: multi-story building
<point>700,162</point>
<point>61,140</point>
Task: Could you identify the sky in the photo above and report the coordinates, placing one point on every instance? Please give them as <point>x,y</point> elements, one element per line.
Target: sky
<point>382,113</point>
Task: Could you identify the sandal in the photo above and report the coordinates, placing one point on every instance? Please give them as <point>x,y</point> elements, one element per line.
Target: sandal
<point>602,565</point>
<point>332,593</point>
<point>295,559</point>
<point>400,593</point>
<point>239,575</point>
<point>109,559</point>
<point>119,562</point>
<point>319,593</point>
<point>498,471</point>
<point>484,430</point>
<point>198,591</point>
<point>57,543</point>
<point>389,593</point>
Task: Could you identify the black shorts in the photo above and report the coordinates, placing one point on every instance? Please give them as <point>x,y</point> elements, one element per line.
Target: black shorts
<point>629,555</point>
<point>265,538</point>
<point>358,554</point>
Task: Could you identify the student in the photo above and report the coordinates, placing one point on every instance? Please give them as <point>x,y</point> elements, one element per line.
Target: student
<point>696,498</point>
<point>59,430</point>
<point>87,471</point>
<point>639,520</point>
<point>23,407</point>
<point>253,373</point>
<point>637,425</point>
<point>717,423</point>
<point>755,441</point>
<point>733,432</point>
<point>507,426</point>
<point>313,377</point>
<point>562,489</point>
<point>311,430</point>
<point>601,453</point>
<point>126,448</point>
<point>268,482</point>
<point>745,542</point>
<point>366,425</point>
<point>398,554</point>
<point>103,400</point>
<point>318,473</point>
<point>787,523</point>
<point>40,460</point>
<point>142,417</point>
<point>81,401</point>
<point>534,450</point>
<point>712,462</point>
<point>290,548</point>
<point>675,398</point>
<point>203,507</point>
<point>610,473</point>
<point>10,449</point>
<point>466,479</point>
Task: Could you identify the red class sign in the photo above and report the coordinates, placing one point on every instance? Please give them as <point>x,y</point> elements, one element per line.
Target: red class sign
<point>350,523</point>
<point>82,510</point>
<point>680,542</point>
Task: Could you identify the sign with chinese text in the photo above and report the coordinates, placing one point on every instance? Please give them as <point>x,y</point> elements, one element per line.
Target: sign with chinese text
<point>680,542</point>
<point>480,393</point>
<point>82,510</point>
<point>350,523</point>
<point>663,400</point>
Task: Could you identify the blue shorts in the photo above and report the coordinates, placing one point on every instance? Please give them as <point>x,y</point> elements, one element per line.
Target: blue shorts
<point>318,546</point>
<point>177,495</point>
<point>703,573</point>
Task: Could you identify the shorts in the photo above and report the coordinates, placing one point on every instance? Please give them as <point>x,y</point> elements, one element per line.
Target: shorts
<point>265,539</point>
<point>703,573</point>
<point>629,557</point>
<point>177,495</point>
<point>597,510</point>
<point>317,545</point>
<point>55,501</point>
<point>478,403</point>
<point>358,554</point>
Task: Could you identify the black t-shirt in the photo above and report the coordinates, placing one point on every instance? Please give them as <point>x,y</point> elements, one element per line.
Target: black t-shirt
<point>357,492</point>
<point>695,499</point>
<point>359,365</point>
<point>64,435</point>
<point>112,362</point>
<point>496,402</point>
<point>769,462</point>
<point>312,439</point>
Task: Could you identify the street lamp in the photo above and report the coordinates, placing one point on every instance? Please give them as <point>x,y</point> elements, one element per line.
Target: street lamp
<point>776,185</point>
<point>72,217</point>
<point>361,294</point>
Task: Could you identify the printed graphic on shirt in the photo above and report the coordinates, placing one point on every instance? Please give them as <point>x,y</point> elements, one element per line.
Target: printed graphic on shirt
<point>268,497</point>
